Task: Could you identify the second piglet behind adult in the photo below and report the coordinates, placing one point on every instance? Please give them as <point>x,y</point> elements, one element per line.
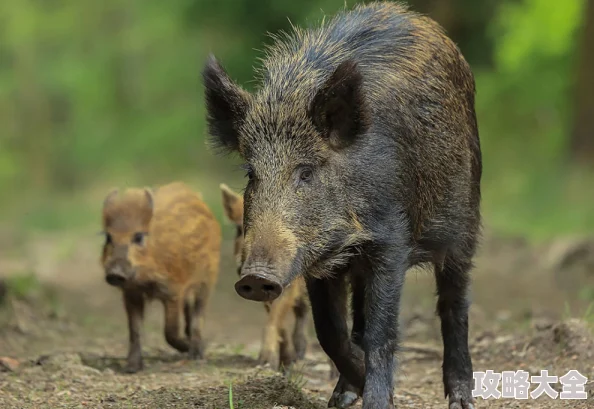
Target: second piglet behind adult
<point>165,245</point>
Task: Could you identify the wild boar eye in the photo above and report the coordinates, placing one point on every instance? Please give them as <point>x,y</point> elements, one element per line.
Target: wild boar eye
<point>108,238</point>
<point>138,238</point>
<point>305,174</point>
<point>249,171</point>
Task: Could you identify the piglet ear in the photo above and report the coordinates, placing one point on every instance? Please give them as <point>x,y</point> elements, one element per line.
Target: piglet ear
<point>338,109</point>
<point>107,203</point>
<point>233,204</point>
<point>110,198</point>
<point>148,193</point>
<point>226,106</point>
<point>147,213</point>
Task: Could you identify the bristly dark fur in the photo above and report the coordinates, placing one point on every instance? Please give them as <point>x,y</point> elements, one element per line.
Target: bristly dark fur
<point>365,160</point>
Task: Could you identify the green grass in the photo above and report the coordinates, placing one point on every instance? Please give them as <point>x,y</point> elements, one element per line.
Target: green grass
<point>23,285</point>
<point>26,285</point>
<point>587,315</point>
<point>231,406</point>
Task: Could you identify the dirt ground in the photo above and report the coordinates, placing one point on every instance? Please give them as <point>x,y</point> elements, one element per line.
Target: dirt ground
<point>64,342</point>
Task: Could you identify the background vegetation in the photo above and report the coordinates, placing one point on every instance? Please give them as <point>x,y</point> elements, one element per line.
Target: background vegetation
<point>101,93</point>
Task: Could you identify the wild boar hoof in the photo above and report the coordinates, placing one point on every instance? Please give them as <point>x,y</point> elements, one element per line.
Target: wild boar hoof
<point>461,396</point>
<point>344,395</point>
<point>461,405</point>
<point>343,400</point>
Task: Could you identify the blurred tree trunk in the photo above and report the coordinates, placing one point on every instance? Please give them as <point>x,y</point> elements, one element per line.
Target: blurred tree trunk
<point>443,11</point>
<point>582,138</point>
<point>466,22</point>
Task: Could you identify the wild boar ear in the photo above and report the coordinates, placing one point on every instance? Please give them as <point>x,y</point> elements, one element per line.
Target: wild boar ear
<point>233,205</point>
<point>226,105</point>
<point>338,109</point>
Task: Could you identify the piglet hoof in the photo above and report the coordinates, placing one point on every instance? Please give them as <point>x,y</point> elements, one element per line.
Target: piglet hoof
<point>133,367</point>
<point>268,357</point>
<point>287,359</point>
<point>196,352</point>
<point>300,348</point>
<point>299,352</point>
<point>461,397</point>
<point>344,395</point>
<point>197,347</point>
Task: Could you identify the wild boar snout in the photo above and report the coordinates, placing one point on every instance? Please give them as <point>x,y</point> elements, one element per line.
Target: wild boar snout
<point>258,283</point>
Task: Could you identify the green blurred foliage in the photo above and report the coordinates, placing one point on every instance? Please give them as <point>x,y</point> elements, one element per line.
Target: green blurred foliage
<point>99,93</point>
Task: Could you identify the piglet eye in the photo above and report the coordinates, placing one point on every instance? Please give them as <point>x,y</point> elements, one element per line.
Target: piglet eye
<point>305,174</point>
<point>138,238</point>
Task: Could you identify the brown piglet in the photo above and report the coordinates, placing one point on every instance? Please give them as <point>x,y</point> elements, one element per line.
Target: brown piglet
<point>162,244</point>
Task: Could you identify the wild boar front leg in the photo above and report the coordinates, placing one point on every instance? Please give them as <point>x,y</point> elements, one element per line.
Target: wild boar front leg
<point>380,338</point>
<point>134,303</point>
<point>173,308</point>
<point>345,394</point>
<point>328,299</point>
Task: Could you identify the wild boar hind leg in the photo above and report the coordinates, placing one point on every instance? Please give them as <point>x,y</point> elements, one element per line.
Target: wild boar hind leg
<point>452,306</point>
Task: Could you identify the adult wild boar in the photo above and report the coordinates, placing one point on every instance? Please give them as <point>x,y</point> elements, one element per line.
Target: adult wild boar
<point>363,157</point>
<point>165,245</point>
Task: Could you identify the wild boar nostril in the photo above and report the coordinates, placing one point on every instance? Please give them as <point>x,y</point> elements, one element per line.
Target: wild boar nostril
<point>258,288</point>
<point>268,287</point>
